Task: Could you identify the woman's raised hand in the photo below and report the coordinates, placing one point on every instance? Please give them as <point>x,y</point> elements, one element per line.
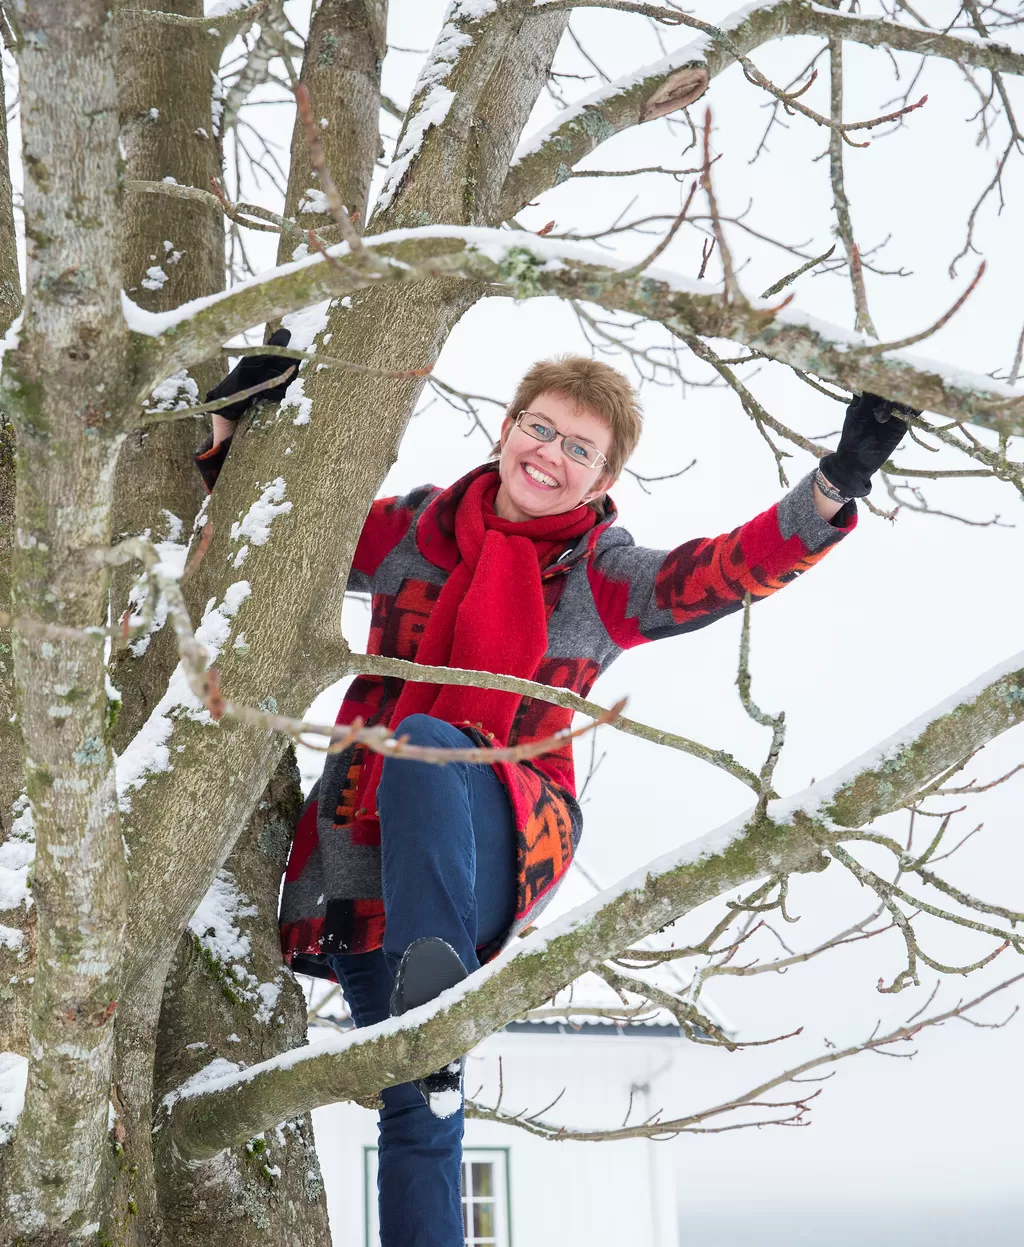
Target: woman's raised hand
<point>871,432</point>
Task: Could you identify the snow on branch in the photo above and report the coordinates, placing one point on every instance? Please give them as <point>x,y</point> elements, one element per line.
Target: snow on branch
<point>526,266</point>
<point>546,158</point>
<point>788,835</point>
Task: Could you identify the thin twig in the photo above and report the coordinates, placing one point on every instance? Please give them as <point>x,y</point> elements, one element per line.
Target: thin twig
<point>844,222</point>
<point>783,282</point>
<point>637,269</point>
<point>879,348</point>
<point>732,290</point>
<point>657,1127</point>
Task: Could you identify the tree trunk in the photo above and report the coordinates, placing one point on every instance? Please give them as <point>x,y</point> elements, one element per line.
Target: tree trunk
<point>230,998</point>
<point>341,71</point>
<point>66,386</point>
<point>15,955</point>
<point>172,251</point>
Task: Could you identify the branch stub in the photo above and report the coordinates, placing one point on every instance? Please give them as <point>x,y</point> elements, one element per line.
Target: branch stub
<point>679,90</point>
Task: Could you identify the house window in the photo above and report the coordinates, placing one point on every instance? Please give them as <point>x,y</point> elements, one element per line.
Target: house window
<point>485,1197</point>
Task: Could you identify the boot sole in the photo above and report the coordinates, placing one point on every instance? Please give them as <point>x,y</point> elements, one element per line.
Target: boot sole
<point>429,967</point>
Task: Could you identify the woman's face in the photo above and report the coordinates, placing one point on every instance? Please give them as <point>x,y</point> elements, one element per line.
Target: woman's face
<point>536,477</point>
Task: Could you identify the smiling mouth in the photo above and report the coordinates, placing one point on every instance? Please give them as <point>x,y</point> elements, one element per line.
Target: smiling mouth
<point>538,477</point>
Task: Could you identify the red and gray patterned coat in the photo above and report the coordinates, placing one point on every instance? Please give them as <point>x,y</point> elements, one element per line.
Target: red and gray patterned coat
<point>603,595</point>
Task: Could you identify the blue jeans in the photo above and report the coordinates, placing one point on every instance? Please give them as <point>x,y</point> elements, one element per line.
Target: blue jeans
<point>448,860</point>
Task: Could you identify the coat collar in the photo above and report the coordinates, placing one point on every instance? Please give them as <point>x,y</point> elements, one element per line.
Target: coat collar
<point>435,529</point>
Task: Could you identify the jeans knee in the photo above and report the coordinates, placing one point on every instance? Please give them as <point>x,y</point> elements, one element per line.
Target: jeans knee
<point>424,729</point>
<point>404,781</point>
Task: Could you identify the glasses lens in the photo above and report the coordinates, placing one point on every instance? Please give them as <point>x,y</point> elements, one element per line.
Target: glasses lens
<point>537,427</point>
<point>579,452</point>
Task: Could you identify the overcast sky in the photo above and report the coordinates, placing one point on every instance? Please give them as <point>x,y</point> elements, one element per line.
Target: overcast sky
<point>921,1151</point>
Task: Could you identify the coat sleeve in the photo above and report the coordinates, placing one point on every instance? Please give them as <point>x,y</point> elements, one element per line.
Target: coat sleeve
<point>643,595</point>
<point>385,526</point>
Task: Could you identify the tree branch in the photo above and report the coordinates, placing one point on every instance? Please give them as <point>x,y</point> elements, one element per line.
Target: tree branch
<point>547,158</point>
<point>377,664</point>
<point>844,222</point>
<point>214,1114</point>
<point>226,24</point>
<point>521,264</point>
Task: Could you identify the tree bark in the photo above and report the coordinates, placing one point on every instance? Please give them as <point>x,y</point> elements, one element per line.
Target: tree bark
<point>473,98</point>
<point>15,958</point>
<point>171,251</point>
<point>341,70</point>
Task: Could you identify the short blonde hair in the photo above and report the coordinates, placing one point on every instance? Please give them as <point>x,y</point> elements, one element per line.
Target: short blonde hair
<point>586,383</point>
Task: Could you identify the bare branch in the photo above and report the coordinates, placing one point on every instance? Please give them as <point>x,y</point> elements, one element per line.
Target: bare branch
<point>783,282</point>
<point>661,1128</point>
<point>237,1106</point>
<point>844,224</point>
<point>776,723</point>
<point>377,664</point>
<point>901,343</point>
<point>547,158</point>
<point>733,294</point>
<point>637,269</point>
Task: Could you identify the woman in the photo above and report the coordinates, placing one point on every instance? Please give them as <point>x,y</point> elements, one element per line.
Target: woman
<point>405,876</point>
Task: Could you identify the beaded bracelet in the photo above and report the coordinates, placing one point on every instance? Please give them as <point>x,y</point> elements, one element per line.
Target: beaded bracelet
<point>829,491</point>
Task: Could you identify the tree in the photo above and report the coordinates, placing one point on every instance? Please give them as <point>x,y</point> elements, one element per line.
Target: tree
<point>161,817</point>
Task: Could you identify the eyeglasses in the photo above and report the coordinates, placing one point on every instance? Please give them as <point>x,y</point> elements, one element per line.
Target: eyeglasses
<point>540,430</point>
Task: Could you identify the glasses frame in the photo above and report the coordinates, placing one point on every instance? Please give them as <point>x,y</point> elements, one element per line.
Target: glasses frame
<point>602,459</point>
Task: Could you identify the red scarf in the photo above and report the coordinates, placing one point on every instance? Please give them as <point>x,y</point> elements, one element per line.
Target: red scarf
<point>489,616</point>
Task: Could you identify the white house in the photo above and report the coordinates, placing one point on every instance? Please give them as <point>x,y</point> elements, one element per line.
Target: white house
<point>526,1191</point>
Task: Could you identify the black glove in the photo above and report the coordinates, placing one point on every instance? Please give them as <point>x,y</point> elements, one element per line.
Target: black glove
<point>249,371</point>
<point>871,432</point>
<point>253,370</point>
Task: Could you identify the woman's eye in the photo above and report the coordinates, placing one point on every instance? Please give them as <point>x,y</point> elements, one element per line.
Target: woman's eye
<point>544,431</point>
<point>579,451</point>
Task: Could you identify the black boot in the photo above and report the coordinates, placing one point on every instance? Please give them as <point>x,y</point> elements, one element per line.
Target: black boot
<point>429,967</point>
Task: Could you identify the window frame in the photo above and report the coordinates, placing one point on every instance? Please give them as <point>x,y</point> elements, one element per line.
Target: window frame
<point>498,1156</point>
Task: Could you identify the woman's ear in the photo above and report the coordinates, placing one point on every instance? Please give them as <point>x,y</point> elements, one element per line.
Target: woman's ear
<point>506,428</point>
